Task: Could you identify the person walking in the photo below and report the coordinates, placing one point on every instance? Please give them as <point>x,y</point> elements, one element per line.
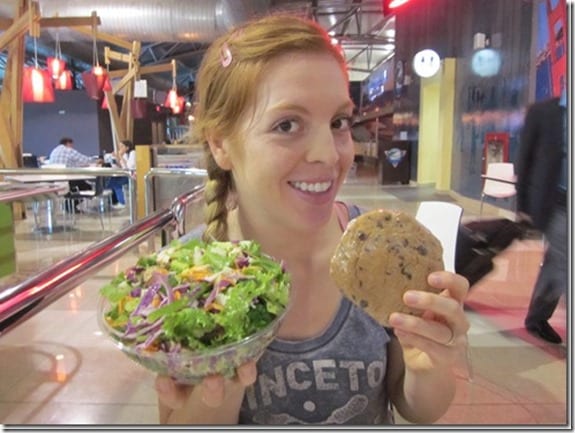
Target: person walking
<point>542,181</point>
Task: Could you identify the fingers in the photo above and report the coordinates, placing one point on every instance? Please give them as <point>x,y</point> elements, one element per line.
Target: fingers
<point>443,321</point>
<point>212,389</point>
<point>170,394</point>
<point>247,373</point>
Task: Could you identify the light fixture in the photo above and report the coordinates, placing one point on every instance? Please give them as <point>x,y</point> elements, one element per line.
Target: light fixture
<point>56,65</point>
<point>172,98</point>
<point>36,82</point>
<point>64,81</point>
<point>96,80</point>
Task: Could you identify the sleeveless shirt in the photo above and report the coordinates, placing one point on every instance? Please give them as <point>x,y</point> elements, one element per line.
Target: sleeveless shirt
<point>338,377</point>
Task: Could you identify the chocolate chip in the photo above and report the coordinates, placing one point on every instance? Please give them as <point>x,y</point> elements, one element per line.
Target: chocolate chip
<point>362,236</point>
<point>422,250</point>
<point>363,303</point>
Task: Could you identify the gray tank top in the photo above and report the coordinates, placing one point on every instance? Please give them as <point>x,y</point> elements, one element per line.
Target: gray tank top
<point>336,378</point>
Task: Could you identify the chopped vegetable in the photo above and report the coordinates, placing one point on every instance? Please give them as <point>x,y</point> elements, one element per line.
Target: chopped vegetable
<point>196,296</point>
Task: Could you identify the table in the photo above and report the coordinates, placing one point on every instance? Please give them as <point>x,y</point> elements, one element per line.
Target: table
<point>40,178</point>
<point>38,187</point>
<point>10,192</point>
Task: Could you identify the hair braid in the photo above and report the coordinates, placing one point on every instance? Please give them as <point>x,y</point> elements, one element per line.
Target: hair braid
<point>216,192</point>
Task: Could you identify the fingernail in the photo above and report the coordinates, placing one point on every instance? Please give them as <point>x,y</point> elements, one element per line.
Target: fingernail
<point>411,297</point>
<point>435,279</point>
<point>395,319</point>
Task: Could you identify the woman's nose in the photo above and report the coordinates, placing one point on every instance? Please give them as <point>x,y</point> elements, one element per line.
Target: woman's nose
<point>323,148</point>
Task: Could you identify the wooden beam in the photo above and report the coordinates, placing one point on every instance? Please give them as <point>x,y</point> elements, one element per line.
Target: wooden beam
<point>5,23</point>
<point>144,70</point>
<point>68,21</point>
<point>114,40</point>
<point>114,55</point>
<point>124,81</point>
<point>113,107</point>
<point>16,30</point>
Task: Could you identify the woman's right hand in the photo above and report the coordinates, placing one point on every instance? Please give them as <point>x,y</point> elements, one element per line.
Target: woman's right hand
<point>215,400</point>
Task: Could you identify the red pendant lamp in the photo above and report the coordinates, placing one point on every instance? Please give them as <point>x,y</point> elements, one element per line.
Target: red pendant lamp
<point>56,66</point>
<point>37,85</point>
<point>105,105</point>
<point>172,98</point>
<point>96,81</point>
<point>64,81</point>
<point>36,82</point>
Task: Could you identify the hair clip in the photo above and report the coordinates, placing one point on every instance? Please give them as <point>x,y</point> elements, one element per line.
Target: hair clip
<point>226,55</point>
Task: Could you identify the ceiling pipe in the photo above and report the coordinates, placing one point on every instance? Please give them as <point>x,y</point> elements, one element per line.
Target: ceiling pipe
<point>154,21</point>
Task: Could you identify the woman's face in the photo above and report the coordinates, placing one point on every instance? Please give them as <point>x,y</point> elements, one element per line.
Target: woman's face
<point>295,145</point>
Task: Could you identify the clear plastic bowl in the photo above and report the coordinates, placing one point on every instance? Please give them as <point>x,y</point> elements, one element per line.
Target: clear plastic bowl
<point>188,367</point>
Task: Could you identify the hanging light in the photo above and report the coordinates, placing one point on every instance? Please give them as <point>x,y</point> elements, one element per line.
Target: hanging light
<point>96,80</point>
<point>105,105</point>
<point>36,82</point>
<point>37,85</point>
<point>56,65</point>
<point>172,100</point>
<point>64,81</point>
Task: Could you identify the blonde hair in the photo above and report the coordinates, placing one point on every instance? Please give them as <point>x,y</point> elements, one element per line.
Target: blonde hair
<point>226,87</point>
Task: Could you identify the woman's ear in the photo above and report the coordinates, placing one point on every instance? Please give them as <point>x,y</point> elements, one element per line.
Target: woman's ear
<point>219,150</point>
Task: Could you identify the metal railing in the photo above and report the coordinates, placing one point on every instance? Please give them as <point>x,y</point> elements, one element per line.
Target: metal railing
<point>165,172</point>
<point>90,171</point>
<point>20,302</point>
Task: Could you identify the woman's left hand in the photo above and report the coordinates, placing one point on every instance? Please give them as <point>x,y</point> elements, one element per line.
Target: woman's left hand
<point>437,337</point>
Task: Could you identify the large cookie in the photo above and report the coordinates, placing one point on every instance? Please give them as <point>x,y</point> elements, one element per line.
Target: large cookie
<point>380,256</point>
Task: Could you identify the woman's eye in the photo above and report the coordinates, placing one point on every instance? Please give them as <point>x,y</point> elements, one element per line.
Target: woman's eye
<point>287,126</point>
<point>342,123</point>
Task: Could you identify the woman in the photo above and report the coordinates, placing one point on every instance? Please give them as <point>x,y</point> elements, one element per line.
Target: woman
<point>125,158</point>
<point>274,115</point>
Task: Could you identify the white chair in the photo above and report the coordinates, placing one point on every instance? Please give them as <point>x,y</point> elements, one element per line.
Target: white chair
<point>442,219</point>
<point>495,189</point>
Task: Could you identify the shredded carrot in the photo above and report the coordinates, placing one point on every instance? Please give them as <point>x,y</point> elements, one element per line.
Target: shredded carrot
<point>197,273</point>
<point>156,300</point>
<point>214,306</point>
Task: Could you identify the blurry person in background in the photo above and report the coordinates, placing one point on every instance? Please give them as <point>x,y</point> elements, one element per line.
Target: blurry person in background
<point>125,157</point>
<point>542,180</point>
<point>65,154</point>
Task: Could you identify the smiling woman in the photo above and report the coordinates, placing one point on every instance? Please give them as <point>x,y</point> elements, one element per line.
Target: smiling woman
<point>274,116</point>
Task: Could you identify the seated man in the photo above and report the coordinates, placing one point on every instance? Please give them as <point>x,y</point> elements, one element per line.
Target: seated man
<point>65,154</point>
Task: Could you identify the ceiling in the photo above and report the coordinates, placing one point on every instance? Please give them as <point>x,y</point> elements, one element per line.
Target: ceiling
<point>164,28</point>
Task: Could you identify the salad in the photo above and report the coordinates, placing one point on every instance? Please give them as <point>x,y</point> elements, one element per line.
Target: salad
<point>195,296</point>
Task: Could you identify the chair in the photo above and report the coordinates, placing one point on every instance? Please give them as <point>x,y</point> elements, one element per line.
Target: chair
<point>102,195</point>
<point>30,161</point>
<point>493,188</point>
<point>49,202</point>
<point>442,219</point>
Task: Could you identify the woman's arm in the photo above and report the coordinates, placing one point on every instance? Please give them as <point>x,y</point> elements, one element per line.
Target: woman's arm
<point>131,160</point>
<point>422,358</point>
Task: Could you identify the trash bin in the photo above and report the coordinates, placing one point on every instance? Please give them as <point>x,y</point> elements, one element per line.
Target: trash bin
<point>394,162</point>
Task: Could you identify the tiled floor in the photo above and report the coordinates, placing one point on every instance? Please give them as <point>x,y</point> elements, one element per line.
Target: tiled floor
<point>57,367</point>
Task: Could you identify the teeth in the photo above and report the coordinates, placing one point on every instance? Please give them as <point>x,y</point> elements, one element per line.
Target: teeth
<point>312,187</point>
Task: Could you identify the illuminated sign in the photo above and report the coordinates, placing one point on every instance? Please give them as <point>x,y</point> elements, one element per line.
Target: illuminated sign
<point>426,63</point>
